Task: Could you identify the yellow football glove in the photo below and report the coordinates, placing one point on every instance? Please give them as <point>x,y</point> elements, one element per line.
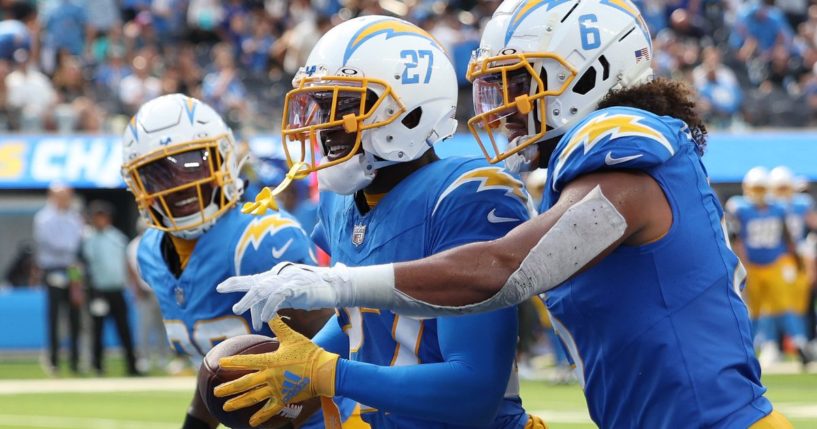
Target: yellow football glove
<point>297,371</point>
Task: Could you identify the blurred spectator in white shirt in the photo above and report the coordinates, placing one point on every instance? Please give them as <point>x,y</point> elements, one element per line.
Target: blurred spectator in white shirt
<point>139,87</point>
<point>31,93</point>
<point>57,238</point>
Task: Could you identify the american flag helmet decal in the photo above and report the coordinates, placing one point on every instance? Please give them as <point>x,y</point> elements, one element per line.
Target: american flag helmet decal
<point>642,54</point>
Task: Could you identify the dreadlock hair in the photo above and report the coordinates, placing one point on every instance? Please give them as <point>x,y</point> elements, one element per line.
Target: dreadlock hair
<point>662,97</point>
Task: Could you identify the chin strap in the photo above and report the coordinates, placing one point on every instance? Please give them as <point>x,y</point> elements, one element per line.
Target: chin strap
<point>266,198</point>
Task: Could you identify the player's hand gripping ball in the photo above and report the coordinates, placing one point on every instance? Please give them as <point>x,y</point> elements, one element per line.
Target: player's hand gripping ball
<point>211,375</point>
<point>296,371</point>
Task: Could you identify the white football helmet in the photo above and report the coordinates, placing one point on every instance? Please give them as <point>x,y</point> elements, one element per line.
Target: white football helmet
<point>543,65</point>
<point>782,183</point>
<point>375,91</point>
<point>180,163</point>
<point>756,184</point>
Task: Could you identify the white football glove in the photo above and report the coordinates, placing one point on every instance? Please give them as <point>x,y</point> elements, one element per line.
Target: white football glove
<point>288,285</point>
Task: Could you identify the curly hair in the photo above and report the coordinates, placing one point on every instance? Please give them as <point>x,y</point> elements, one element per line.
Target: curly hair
<point>662,97</point>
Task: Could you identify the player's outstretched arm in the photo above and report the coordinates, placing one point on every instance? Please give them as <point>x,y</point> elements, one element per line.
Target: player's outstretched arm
<point>594,214</point>
<point>466,388</point>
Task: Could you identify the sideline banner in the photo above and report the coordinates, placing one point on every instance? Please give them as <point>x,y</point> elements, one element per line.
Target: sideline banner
<point>81,161</point>
<point>86,161</point>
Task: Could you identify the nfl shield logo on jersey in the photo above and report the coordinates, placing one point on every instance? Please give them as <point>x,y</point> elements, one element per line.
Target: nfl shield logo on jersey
<point>358,234</point>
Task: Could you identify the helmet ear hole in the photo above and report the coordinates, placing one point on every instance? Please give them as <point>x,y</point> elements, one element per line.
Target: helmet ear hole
<point>412,119</point>
<point>586,83</point>
<point>543,76</point>
<point>605,67</point>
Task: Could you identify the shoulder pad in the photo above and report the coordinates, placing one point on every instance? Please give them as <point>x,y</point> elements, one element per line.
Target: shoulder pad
<point>267,238</point>
<point>613,139</point>
<point>481,181</point>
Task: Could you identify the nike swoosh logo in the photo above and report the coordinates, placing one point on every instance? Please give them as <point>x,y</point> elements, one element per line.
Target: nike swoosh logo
<point>277,253</point>
<point>493,218</point>
<point>609,160</point>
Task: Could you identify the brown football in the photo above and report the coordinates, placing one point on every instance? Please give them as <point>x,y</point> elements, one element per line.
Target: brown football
<point>211,375</point>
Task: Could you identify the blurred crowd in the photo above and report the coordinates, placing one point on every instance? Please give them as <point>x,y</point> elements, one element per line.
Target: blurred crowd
<point>91,63</point>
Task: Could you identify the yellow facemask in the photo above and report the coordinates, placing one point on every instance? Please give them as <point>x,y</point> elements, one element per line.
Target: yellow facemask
<point>177,185</point>
<point>333,105</point>
<point>755,194</point>
<point>783,192</point>
<point>504,99</point>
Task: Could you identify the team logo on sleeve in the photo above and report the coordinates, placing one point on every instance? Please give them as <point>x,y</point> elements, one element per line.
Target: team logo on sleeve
<point>605,127</point>
<point>487,178</point>
<point>255,233</point>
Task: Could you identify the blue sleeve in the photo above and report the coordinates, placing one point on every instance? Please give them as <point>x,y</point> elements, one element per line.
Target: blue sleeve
<point>614,139</point>
<point>271,239</point>
<point>478,352</point>
<point>480,204</point>
<point>332,338</point>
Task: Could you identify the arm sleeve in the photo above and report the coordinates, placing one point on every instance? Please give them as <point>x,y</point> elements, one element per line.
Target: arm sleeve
<point>478,354</point>
<point>332,338</point>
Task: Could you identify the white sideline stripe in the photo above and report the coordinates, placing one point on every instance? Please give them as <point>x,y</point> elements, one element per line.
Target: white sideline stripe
<point>788,409</point>
<point>10,420</point>
<point>796,410</point>
<point>551,416</point>
<point>101,385</point>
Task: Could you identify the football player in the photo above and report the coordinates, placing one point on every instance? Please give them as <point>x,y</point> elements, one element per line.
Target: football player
<point>801,217</point>
<point>375,95</point>
<point>629,246</point>
<point>760,240</point>
<point>181,165</point>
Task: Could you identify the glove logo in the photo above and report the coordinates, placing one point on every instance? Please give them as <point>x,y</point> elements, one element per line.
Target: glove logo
<point>291,411</point>
<point>293,385</point>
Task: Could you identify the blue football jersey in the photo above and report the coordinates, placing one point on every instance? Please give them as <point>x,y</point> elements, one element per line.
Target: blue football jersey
<point>196,316</point>
<point>760,229</point>
<point>445,204</point>
<point>658,333</point>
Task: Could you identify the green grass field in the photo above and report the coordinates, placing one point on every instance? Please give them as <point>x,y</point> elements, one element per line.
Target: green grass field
<point>562,406</point>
